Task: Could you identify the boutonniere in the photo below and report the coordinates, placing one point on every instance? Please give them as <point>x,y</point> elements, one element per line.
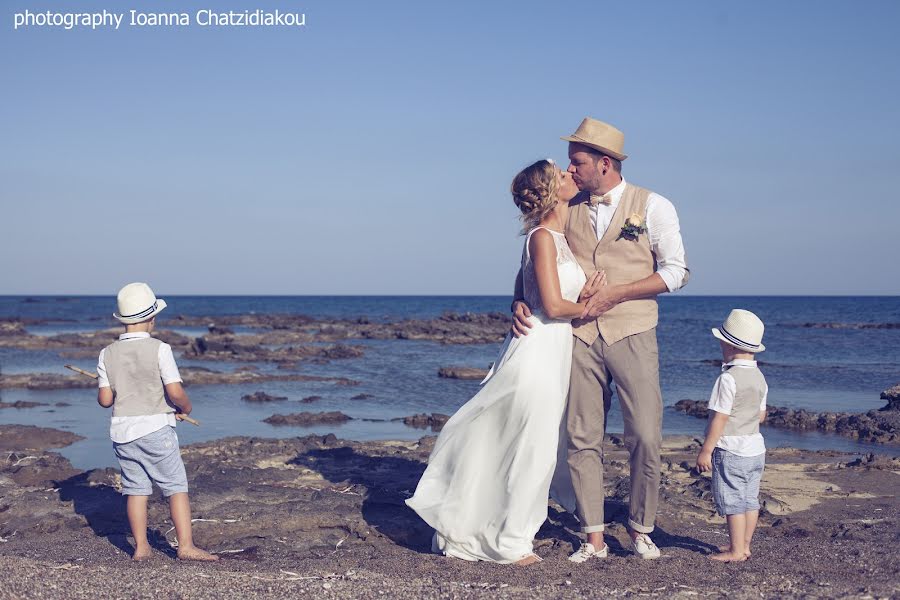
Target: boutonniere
<point>633,227</point>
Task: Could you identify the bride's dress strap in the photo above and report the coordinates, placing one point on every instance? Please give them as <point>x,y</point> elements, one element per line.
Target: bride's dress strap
<point>527,253</point>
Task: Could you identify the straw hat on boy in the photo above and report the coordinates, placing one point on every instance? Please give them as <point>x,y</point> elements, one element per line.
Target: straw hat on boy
<point>743,330</point>
<point>136,303</point>
<point>599,136</point>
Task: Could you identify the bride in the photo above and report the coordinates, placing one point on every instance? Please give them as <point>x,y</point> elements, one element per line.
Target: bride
<point>486,487</point>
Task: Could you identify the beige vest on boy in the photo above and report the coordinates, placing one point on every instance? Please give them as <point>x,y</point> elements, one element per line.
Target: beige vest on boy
<point>625,261</point>
<point>744,417</point>
<point>132,367</point>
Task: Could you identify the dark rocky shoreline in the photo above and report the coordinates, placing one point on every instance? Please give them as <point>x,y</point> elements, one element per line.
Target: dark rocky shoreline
<point>324,516</point>
<point>191,376</point>
<point>880,426</point>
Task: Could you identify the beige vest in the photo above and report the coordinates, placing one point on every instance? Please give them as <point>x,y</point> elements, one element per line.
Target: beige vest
<point>751,385</point>
<point>132,368</point>
<point>624,261</point>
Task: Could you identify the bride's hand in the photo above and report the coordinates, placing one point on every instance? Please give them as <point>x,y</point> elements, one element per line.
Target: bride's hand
<point>594,283</point>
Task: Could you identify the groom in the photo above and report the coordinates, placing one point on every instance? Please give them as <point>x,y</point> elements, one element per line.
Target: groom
<point>633,235</point>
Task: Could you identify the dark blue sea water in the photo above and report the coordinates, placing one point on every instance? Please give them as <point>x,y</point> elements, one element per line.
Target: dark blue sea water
<point>816,368</point>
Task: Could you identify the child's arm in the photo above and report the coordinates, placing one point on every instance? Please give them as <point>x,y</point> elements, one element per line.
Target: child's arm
<point>714,430</point>
<point>178,397</point>
<point>763,412</point>
<point>105,397</point>
<point>721,402</point>
<point>171,379</point>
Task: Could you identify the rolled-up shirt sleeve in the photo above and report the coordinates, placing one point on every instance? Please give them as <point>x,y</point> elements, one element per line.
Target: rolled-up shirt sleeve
<point>102,379</point>
<point>664,232</point>
<point>168,370</point>
<point>721,399</point>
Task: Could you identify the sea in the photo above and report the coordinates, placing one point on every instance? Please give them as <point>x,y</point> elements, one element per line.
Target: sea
<point>823,354</point>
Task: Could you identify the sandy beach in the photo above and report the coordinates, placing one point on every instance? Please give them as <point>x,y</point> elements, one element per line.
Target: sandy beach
<point>320,515</point>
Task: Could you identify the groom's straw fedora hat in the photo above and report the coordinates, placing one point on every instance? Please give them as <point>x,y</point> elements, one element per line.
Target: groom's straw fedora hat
<point>743,330</point>
<point>136,302</point>
<point>599,136</point>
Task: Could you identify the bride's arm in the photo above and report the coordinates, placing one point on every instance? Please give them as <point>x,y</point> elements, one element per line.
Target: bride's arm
<point>543,254</point>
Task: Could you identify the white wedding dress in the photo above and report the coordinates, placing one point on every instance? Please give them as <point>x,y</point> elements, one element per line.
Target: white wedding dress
<point>486,487</point>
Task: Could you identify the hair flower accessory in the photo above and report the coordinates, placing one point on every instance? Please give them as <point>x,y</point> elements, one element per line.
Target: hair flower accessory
<point>634,226</point>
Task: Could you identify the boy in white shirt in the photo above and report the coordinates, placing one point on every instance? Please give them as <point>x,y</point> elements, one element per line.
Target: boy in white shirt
<point>734,448</point>
<point>139,379</point>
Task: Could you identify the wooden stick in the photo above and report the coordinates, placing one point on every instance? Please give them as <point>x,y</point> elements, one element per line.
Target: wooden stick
<point>179,416</point>
<point>184,417</point>
<point>82,371</point>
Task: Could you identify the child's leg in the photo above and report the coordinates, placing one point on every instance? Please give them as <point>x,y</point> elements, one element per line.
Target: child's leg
<point>737,530</point>
<point>752,517</point>
<point>752,513</point>
<point>180,509</point>
<point>136,507</point>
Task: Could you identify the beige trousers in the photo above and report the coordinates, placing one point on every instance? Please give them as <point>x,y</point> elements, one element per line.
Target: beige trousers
<point>633,365</point>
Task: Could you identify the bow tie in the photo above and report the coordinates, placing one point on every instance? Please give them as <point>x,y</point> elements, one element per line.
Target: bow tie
<point>604,199</point>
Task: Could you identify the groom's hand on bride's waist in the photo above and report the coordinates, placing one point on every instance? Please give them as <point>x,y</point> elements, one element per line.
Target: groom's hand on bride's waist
<point>520,324</point>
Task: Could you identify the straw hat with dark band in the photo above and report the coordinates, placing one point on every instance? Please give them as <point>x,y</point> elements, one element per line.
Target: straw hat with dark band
<point>599,136</point>
<point>743,330</point>
<point>137,302</point>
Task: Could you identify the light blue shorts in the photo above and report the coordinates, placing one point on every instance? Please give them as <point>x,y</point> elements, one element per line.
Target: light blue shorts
<point>153,458</point>
<point>735,481</point>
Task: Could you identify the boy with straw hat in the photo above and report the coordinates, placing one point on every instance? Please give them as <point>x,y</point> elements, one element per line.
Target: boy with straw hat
<point>734,448</point>
<point>139,379</point>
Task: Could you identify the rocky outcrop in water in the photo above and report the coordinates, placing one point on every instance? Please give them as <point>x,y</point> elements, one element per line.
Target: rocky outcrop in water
<point>881,426</point>
<point>29,437</point>
<point>892,395</point>
<point>842,325</point>
<point>191,376</point>
<point>305,419</point>
<point>462,373</point>
<point>435,421</point>
<point>21,404</point>
<point>234,348</point>
<point>261,397</point>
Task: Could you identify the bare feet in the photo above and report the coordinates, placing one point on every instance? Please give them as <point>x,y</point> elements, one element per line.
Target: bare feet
<point>729,557</point>
<point>528,560</point>
<point>142,553</point>
<point>727,548</point>
<point>194,553</point>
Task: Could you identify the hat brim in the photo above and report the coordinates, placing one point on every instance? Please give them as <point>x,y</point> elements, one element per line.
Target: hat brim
<point>577,140</point>
<point>718,335</point>
<point>160,305</point>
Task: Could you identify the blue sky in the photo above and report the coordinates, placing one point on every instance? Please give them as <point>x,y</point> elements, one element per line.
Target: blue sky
<point>371,151</point>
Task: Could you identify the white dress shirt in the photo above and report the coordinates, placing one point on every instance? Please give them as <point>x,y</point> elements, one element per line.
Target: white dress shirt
<point>722,401</point>
<point>127,429</point>
<point>662,229</point>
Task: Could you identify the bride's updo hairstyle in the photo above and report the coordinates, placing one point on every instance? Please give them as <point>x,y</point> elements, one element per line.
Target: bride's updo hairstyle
<point>534,192</point>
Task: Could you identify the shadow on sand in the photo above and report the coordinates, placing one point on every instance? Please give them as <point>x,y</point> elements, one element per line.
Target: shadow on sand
<point>104,510</point>
<point>389,480</point>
